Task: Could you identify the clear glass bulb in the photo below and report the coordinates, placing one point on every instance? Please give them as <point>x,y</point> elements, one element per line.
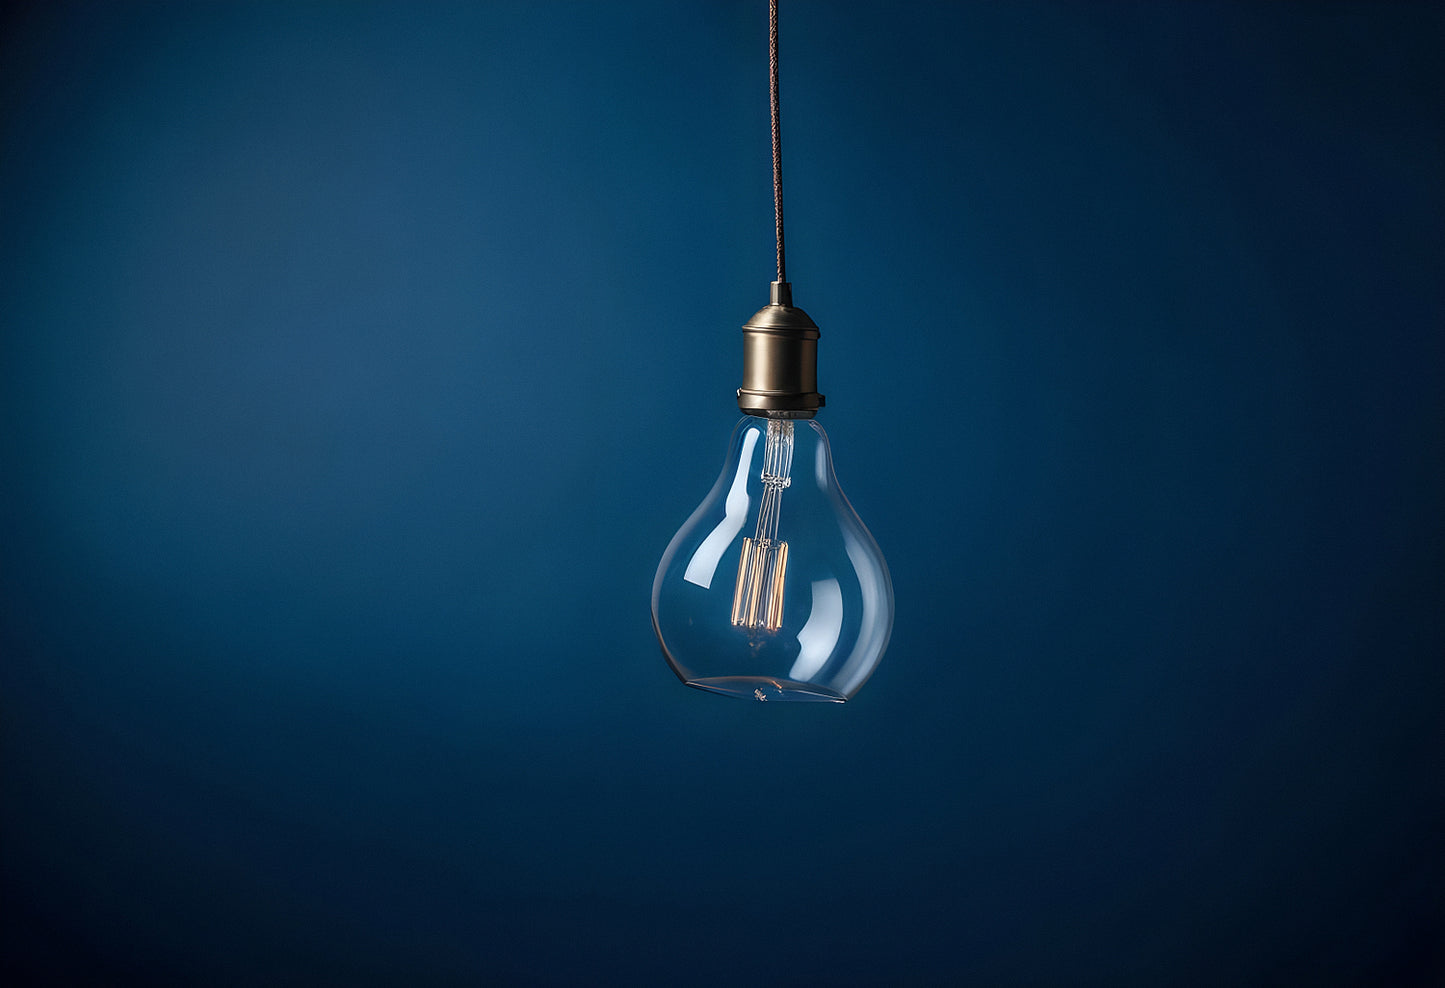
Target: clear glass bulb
<point>774,589</point>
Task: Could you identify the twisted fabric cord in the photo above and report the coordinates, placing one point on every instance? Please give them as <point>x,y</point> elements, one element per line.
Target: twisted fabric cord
<point>777,135</point>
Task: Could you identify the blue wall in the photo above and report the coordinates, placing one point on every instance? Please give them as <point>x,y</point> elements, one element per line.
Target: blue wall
<point>357,362</point>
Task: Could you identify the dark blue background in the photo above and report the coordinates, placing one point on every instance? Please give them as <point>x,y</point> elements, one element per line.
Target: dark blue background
<point>359,360</point>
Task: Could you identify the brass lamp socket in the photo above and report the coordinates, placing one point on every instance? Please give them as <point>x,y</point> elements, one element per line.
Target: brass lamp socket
<point>780,360</point>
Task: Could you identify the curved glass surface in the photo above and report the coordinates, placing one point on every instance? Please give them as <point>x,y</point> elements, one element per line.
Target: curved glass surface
<point>774,589</point>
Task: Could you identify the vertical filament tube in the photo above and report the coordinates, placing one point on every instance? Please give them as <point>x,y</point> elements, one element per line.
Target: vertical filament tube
<point>758,593</point>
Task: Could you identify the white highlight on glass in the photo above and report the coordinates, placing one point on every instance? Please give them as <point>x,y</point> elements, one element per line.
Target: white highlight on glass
<point>820,634</point>
<point>703,565</point>
<point>875,622</point>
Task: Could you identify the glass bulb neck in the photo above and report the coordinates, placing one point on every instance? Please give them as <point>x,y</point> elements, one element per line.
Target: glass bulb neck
<point>780,360</point>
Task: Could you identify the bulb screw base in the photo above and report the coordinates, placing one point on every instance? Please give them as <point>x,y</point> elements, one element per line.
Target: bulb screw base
<point>780,360</point>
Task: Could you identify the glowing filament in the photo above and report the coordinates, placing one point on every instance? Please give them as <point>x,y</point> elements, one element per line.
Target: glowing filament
<point>758,594</point>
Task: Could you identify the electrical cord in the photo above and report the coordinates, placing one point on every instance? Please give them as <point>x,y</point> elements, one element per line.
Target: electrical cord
<point>777,135</point>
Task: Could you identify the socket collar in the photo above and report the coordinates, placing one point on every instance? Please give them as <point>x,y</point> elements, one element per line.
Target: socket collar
<point>780,360</point>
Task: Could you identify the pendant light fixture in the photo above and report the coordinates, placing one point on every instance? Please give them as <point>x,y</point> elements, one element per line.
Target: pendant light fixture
<point>774,589</point>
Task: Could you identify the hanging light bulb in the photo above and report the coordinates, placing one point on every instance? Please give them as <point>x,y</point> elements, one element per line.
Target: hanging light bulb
<point>774,589</point>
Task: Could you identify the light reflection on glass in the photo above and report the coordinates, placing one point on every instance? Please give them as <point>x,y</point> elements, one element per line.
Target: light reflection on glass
<point>876,623</point>
<point>820,634</point>
<point>703,565</point>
